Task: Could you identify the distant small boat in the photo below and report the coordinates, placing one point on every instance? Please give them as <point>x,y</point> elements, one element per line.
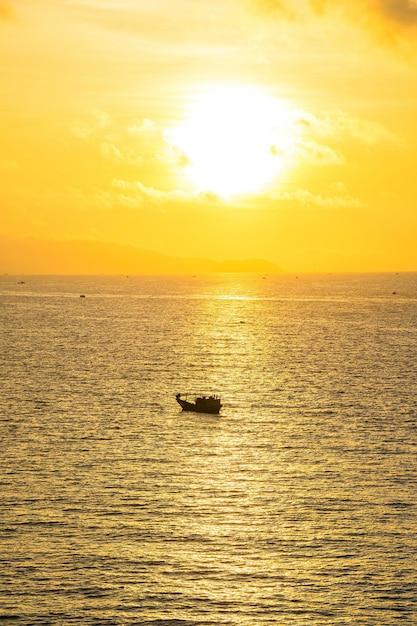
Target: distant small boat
<point>202,404</point>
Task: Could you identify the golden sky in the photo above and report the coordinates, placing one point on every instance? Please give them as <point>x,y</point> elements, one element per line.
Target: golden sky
<point>219,129</point>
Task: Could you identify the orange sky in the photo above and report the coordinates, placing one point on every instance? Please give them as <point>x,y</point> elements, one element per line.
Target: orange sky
<point>284,131</point>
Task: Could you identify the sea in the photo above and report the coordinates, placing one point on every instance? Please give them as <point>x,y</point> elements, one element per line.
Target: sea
<point>296,505</point>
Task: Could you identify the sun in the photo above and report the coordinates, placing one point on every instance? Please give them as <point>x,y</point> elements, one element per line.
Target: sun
<point>234,139</point>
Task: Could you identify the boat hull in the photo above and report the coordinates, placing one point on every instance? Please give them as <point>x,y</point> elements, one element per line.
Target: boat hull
<point>212,407</point>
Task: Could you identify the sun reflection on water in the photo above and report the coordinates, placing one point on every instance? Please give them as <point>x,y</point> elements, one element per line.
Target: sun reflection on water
<point>296,503</point>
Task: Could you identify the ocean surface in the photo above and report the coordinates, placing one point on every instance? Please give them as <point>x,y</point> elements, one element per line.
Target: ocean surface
<point>297,505</point>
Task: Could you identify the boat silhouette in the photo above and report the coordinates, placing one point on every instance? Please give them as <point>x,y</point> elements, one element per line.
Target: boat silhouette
<point>202,404</point>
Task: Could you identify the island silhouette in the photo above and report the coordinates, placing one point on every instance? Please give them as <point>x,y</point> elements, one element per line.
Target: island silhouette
<point>32,255</point>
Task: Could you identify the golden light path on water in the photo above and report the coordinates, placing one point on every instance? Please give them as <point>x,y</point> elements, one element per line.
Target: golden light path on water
<point>295,506</point>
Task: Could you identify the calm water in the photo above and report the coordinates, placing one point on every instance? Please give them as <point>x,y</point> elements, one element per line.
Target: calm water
<point>297,505</point>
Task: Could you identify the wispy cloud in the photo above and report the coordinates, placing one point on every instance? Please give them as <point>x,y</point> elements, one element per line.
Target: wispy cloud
<point>317,153</point>
<point>131,195</point>
<point>336,196</point>
<point>135,191</point>
<point>319,139</point>
<point>94,126</point>
<point>141,141</point>
<point>338,126</point>
<point>182,26</point>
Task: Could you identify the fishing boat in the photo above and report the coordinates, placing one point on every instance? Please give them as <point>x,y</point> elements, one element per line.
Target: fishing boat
<point>202,404</point>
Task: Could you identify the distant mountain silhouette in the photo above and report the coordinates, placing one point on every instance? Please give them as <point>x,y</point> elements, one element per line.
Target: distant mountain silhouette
<point>31,255</point>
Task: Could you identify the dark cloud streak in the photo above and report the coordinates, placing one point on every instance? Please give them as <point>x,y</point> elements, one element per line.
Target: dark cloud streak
<point>400,12</point>
<point>392,23</point>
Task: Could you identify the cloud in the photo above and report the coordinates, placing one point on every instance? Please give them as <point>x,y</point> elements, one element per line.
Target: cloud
<point>93,128</point>
<point>153,143</point>
<point>389,20</point>
<point>142,141</point>
<point>130,196</point>
<point>111,151</point>
<point>400,11</point>
<point>135,191</point>
<point>336,196</point>
<point>187,28</point>
<point>317,154</point>
<point>319,139</point>
<point>337,125</point>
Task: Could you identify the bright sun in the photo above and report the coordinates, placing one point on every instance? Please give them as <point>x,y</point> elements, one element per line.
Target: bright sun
<point>234,139</point>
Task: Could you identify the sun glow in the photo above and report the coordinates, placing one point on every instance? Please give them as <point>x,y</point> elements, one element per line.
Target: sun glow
<point>235,140</point>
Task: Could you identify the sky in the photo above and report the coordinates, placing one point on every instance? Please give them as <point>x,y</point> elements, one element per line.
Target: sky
<point>221,129</point>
